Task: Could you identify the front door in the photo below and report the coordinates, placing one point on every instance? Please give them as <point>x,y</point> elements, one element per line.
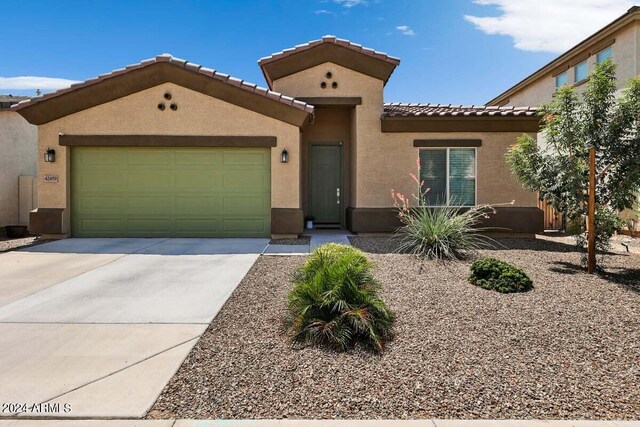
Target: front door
<point>325,184</point>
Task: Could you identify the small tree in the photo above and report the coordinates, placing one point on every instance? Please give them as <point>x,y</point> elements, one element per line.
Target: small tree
<point>559,168</point>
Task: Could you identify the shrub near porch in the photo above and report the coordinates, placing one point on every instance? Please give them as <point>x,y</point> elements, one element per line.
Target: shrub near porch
<point>335,301</point>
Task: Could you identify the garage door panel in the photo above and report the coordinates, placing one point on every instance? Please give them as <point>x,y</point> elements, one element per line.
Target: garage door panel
<point>188,204</point>
<point>165,192</point>
<point>242,180</point>
<point>136,204</point>
<point>198,227</point>
<point>102,158</point>
<point>149,226</point>
<point>99,226</point>
<point>102,181</point>
<point>243,205</point>
<point>198,158</point>
<point>98,204</point>
<point>149,180</point>
<point>196,180</point>
<point>143,157</point>
<point>238,158</point>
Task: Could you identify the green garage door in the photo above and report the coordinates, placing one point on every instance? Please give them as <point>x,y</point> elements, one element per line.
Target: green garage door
<point>170,192</point>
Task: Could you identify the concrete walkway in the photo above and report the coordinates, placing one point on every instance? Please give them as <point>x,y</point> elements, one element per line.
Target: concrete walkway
<point>316,423</point>
<point>103,324</point>
<point>318,238</point>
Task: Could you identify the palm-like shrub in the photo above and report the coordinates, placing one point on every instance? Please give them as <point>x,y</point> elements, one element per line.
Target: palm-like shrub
<point>335,301</point>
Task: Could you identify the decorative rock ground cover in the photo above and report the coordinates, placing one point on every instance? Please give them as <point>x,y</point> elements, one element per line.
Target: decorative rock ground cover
<point>570,348</point>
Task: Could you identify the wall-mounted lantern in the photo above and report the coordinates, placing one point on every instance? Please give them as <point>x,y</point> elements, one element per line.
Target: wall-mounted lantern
<point>284,157</point>
<point>50,155</point>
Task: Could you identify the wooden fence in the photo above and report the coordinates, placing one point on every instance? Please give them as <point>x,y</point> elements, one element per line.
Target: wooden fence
<point>553,220</point>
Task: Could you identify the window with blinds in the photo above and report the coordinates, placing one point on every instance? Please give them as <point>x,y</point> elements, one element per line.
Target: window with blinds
<point>433,171</point>
<point>450,175</point>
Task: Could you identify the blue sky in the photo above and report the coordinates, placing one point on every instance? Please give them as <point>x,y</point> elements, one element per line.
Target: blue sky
<point>452,51</point>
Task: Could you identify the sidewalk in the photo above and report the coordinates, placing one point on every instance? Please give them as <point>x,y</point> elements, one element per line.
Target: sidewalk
<point>314,423</point>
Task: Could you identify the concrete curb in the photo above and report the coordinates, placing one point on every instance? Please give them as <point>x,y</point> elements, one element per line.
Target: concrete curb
<point>316,423</point>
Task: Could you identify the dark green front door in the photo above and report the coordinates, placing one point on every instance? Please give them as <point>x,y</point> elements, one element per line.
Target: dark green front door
<point>325,183</point>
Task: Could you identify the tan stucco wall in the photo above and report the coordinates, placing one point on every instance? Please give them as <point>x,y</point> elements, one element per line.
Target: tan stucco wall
<point>18,150</point>
<point>625,53</point>
<point>365,120</point>
<point>384,160</point>
<point>379,171</point>
<point>197,114</point>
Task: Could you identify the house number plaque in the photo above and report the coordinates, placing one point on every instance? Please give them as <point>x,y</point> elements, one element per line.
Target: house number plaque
<point>51,178</point>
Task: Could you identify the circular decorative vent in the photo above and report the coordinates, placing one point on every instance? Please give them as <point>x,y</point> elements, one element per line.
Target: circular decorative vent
<point>173,106</point>
<point>161,106</point>
<point>329,74</point>
<point>323,85</point>
<point>334,85</point>
<point>167,96</point>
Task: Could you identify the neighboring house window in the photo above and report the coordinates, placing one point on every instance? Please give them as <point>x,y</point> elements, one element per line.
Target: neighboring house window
<point>603,55</point>
<point>582,71</point>
<point>562,79</point>
<point>450,176</point>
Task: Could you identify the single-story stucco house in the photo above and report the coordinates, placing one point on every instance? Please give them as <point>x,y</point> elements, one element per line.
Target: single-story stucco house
<point>166,147</point>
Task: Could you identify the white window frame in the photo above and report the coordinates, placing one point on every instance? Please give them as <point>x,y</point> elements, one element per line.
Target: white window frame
<point>575,72</point>
<point>448,177</point>
<point>610,49</point>
<point>564,73</point>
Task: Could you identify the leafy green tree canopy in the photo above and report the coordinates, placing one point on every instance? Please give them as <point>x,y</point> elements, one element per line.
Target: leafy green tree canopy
<point>558,166</point>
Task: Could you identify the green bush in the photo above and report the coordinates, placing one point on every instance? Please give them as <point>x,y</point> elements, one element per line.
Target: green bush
<point>335,301</point>
<point>490,273</point>
<point>446,232</point>
<point>607,223</point>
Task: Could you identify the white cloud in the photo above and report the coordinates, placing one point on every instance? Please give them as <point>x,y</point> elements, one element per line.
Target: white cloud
<point>350,3</point>
<point>548,25</point>
<point>33,82</point>
<point>323,12</point>
<point>406,30</point>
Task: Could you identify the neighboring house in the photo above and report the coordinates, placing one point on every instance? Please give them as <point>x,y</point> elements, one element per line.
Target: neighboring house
<point>620,41</point>
<point>18,163</point>
<point>169,148</point>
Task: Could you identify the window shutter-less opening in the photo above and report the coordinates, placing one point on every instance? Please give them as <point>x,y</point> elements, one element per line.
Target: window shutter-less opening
<point>433,171</point>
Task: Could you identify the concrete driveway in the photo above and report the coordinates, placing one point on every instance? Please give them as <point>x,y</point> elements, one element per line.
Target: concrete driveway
<point>101,325</point>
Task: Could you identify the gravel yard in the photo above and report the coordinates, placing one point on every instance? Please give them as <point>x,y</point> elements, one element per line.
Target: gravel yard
<point>304,240</point>
<point>568,349</point>
<point>7,245</point>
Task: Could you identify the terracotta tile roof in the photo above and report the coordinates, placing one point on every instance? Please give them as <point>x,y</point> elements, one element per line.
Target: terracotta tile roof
<point>448,110</point>
<point>165,57</point>
<point>329,39</point>
<point>6,101</point>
